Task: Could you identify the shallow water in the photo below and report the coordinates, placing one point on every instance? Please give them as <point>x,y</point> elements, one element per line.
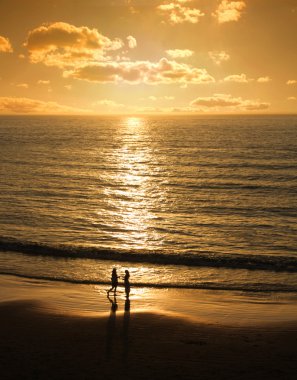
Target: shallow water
<point>228,308</point>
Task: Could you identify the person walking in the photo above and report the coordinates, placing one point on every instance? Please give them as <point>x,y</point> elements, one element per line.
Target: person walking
<point>114,281</point>
<point>127,283</point>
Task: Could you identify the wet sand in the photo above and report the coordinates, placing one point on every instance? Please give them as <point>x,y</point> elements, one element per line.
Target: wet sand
<point>37,343</point>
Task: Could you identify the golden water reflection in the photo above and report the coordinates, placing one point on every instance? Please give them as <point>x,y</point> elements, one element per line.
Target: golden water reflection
<point>134,122</point>
<point>130,198</point>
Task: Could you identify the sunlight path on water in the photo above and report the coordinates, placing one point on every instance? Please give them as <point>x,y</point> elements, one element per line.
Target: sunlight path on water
<point>132,194</point>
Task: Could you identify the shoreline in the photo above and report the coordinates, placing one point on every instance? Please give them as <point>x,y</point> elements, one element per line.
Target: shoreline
<point>38,343</point>
<point>225,308</point>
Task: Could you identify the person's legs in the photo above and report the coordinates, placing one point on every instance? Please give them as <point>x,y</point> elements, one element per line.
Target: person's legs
<point>110,290</point>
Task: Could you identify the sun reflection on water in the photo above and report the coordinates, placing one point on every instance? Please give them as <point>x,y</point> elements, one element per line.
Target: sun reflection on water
<point>134,122</point>
<point>130,190</point>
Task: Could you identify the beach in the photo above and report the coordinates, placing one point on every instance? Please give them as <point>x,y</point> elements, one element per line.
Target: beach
<point>43,338</point>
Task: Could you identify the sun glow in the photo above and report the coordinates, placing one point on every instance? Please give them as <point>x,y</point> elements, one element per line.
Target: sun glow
<point>133,122</point>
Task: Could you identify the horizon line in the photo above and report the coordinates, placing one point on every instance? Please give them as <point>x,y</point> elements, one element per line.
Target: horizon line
<point>150,114</point>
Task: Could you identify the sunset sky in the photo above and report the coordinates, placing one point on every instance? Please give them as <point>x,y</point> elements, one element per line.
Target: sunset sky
<point>148,56</point>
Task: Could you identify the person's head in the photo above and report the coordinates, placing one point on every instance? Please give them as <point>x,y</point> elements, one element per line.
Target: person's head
<point>114,270</point>
<point>126,271</point>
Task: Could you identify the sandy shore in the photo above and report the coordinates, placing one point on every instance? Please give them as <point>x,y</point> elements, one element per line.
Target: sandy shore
<point>38,344</point>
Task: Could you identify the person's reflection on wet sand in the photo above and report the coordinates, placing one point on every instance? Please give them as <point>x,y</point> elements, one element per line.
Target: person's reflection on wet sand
<point>127,306</point>
<point>126,318</point>
<point>126,323</point>
<point>111,326</point>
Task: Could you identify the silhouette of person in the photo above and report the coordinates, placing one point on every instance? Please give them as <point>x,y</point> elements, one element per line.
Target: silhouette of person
<point>127,283</point>
<point>114,281</point>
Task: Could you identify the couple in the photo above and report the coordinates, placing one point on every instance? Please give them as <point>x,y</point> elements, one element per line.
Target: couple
<point>114,282</point>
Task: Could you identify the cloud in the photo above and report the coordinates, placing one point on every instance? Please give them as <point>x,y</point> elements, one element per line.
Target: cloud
<point>223,101</point>
<point>164,71</point>
<point>108,103</point>
<point>132,43</point>
<point>263,80</point>
<point>62,44</point>
<point>23,85</point>
<point>239,78</point>
<point>242,78</point>
<point>217,100</point>
<point>177,13</point>
<point>219,56</point>
<point>255,106</point>
<point>291,81</point>
<point>33,106</point>
<point>179,53</point>
<point>156,98</point>
<point>83,53</point>
<point>5,45</point>
<point>292,98</point>
<point>229,11</point>
<point>131,8</point>
<point>44,82</point>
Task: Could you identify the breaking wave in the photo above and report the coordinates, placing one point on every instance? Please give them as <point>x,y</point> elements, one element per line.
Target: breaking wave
<point>192,259</point>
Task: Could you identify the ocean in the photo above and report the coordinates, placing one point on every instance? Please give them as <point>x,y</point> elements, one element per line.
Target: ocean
<point>182,202</point>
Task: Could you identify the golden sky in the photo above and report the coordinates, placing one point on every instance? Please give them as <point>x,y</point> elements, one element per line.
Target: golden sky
<point>148,56</point>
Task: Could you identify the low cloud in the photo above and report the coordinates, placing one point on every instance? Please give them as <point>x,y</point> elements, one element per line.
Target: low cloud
<point>292,98</point>
<point>242,78</point>
<point>264,80</point>
<point>22,85</point>
<point>238,78</point>
<point>255,106</point>
<point>132,43</point>
<point>217,100</point>
<point>108,103</point>
<point>158,98</point>
<point>219,56</point>
<point>33,106</point>
<point>291,81</point>
<point>177,13</point>
<point>83,54</point>
<point>5,45</point>
<point>179,53</point>
<point>162,72</point>
<point>62,44</point>
<point>43,82</point>
<point>130,6</point>
<point>229,11</point>
<point>226,101</point>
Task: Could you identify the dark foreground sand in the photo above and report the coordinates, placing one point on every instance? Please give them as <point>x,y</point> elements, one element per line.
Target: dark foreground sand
<point>36,344</point>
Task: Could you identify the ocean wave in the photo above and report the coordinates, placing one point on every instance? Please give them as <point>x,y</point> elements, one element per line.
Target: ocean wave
<point>246,287</point>
<point>193,259</point>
